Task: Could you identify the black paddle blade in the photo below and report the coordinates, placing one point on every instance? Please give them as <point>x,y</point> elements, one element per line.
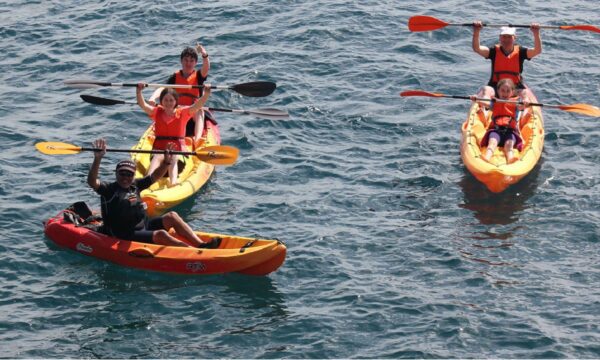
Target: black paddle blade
<point>100,101</point>
<point>255,88</point>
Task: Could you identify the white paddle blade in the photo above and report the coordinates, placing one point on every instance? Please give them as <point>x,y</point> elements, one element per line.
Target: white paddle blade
<point>271,114</point>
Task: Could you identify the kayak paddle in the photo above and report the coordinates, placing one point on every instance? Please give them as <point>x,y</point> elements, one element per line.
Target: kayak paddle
<point>421,23</point>
<point>252,89</point>
<point>273,114</point>
<point>584,109</point>
<point>216,155</point>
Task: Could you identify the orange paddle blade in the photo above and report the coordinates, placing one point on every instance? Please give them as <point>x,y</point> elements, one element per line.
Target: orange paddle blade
<point>420,93</point>
<point>420,23</point>
<point>580,27</point>
<point>218,154</point>
<point>584,109</point>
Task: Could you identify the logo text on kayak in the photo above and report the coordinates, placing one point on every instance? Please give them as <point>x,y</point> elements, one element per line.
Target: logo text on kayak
<point>84,248</point>
<point>195,266</point>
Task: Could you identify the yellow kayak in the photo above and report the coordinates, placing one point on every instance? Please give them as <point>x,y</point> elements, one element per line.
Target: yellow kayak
<point>497,175</point>
<point>192,175</point>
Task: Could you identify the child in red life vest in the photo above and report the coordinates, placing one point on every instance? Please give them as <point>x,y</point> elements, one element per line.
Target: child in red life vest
<point>169,124</point>
<point>503,130</point>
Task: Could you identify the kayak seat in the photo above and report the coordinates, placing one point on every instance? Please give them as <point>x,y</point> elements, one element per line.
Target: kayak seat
<point>81,215</point>
<point>214,243</point>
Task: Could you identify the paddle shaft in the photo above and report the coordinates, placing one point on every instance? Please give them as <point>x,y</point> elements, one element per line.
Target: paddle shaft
<point>139,151</point>
<point>172,86</point>
<point>497,100</point>
<point>229,110</point>
<point>509,25</point>
<point>251,89</point>
<point>268,113</point>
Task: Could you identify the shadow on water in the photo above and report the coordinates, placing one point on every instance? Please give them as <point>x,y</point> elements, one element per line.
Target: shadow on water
<point>498,208</point>
<point>487,247</point>
<point>130,302</point>
<point>257,289</point>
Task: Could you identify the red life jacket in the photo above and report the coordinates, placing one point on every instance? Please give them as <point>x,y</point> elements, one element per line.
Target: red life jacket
<point>504,114</point>
<point>506,66</point>
<point>170,128</point>
<point>187,96</point>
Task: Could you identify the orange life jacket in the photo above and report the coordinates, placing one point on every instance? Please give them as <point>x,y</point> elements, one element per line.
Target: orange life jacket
<point>504,114</point>
<point>187,96</point>
<point>506,67</point>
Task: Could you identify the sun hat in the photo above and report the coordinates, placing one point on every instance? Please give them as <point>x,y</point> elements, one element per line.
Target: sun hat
<point>506,30</point>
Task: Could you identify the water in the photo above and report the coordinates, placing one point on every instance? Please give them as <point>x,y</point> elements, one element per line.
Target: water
<point>394,250</point>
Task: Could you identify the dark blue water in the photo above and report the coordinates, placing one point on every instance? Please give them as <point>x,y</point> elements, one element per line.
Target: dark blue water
<point>394,250</point>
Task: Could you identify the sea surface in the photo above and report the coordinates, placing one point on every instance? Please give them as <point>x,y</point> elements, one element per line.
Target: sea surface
<point>394,249</point>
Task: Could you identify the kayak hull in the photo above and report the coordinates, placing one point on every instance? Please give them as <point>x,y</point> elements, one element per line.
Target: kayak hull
<point>245,255</point>
<point>193,173</point>
<point>497,175</point>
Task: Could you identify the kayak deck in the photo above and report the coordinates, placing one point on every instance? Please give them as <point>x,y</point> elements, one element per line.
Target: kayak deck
<point>194,173</point>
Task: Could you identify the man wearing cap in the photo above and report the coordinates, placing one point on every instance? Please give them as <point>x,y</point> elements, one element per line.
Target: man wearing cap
<point>507,57</point>
<point>123,211</point>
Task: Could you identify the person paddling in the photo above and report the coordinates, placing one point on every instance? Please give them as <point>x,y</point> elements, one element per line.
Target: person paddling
<point>188,75</point>
<point>507,58</point>
<point>123,211</point>
<point>169,124</point>
<point>503,129</point>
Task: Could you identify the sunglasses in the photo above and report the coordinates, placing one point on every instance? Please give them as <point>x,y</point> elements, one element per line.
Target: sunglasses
<point>125,173</point>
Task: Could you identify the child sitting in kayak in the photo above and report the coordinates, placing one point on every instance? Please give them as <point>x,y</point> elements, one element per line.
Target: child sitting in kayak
<point>169,124</point>
<point>503,130</point>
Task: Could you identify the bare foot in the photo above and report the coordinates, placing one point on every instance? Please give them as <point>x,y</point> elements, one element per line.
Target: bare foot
<point>487,155</point>
<point>512,159</point>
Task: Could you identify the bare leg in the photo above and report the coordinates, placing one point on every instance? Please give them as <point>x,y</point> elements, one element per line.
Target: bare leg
<point>173,220</point>
<point>199,129</point>
<point>162,237</point>
<point>492,145</point>
<point>157,159</point>
<point>174,171</point>
<point>485,92</point>
<point>525,94</point>
<point>508,152</point>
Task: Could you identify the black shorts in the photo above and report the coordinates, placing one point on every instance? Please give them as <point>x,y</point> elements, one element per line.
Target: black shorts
<point>145,235</point>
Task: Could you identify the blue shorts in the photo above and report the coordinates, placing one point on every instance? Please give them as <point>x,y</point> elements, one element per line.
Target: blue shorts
<point>502,138</point>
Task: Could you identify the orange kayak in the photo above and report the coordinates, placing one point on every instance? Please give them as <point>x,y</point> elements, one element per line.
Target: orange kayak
<point>244,255</point>
<point>497,175</point>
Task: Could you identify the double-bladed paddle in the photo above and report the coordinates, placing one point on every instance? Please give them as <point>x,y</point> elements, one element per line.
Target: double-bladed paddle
<point>215,155</point>
<point>273,114</point>
<point>252,89</point>
<point>421,23</point>
<point>584,109</point>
